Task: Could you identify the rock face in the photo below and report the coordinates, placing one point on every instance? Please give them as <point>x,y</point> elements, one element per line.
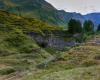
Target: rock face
<point>59,44</point>
<point>52,41</point>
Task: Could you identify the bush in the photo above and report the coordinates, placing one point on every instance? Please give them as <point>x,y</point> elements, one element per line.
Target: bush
<point>89,63</point>
<point>6,71</point>
<point>26,49</point>
<point>15,39</point>
<point>88,26</point>
<point>83,38</point>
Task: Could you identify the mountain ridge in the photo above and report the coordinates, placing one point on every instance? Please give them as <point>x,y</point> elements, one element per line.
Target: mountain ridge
<point>45,11</point>
<point>34,8</point>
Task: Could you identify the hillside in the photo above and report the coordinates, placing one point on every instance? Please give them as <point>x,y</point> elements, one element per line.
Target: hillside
<point>34,9</point>
<point>79,63</point>
<point>12,21</point>
<point>35,46</point>
<point>18,51</point>
<point>44,11</point>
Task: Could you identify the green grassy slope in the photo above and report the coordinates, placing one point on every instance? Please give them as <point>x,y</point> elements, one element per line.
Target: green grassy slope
<point>79,63</point>
<point>11,21</point>
<point>90,73</point>
<point>18,51</point>
<point>34,9</point>
<point>20,55</point>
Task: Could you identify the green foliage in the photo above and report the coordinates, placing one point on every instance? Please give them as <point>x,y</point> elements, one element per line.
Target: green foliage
<point>9,22</point>
<point>31,9</point>
<point>17,48</point>
<point>16,39</point>
<point>6,71</point>
<point>88,26</point>
<point>74,26</point>
<point>84,37</point>
<point>23,43</point>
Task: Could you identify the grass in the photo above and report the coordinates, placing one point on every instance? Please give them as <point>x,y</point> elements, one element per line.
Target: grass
<point>6,71</point>
<point>79,63</point>
<point>20,53</point>
<point>17,49</point>
<point>87,73</point>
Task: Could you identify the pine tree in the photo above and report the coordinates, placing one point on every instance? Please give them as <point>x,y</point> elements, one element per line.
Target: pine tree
<point>88,26</point>
<point>74,26</point>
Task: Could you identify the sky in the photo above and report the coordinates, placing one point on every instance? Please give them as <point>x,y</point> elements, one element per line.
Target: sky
<point>79,6</point>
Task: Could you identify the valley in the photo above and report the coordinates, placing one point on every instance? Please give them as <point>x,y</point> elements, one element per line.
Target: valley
<point>39,42</point>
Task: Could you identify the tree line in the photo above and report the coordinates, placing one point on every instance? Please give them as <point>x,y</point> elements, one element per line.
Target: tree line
<point>75,26</point>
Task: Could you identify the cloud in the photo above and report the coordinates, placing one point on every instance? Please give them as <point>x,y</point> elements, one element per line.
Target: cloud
<point>81,6</point>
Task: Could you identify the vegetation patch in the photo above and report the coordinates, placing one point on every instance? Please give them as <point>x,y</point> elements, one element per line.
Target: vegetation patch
<point>7,71</point>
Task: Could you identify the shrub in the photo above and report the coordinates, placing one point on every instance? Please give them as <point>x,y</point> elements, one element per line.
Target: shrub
<point>88,26</point>
<point>26,49</point>
<point>74,26</point>
<point>16,40</point>
<point>89,63</point>
<point>83,38</point>
<point>6,71</point>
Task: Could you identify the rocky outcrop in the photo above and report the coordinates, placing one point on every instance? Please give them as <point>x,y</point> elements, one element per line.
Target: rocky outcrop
<point>52,41</point>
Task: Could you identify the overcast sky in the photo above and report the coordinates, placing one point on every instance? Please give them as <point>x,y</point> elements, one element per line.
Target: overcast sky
<point>79,6</point>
